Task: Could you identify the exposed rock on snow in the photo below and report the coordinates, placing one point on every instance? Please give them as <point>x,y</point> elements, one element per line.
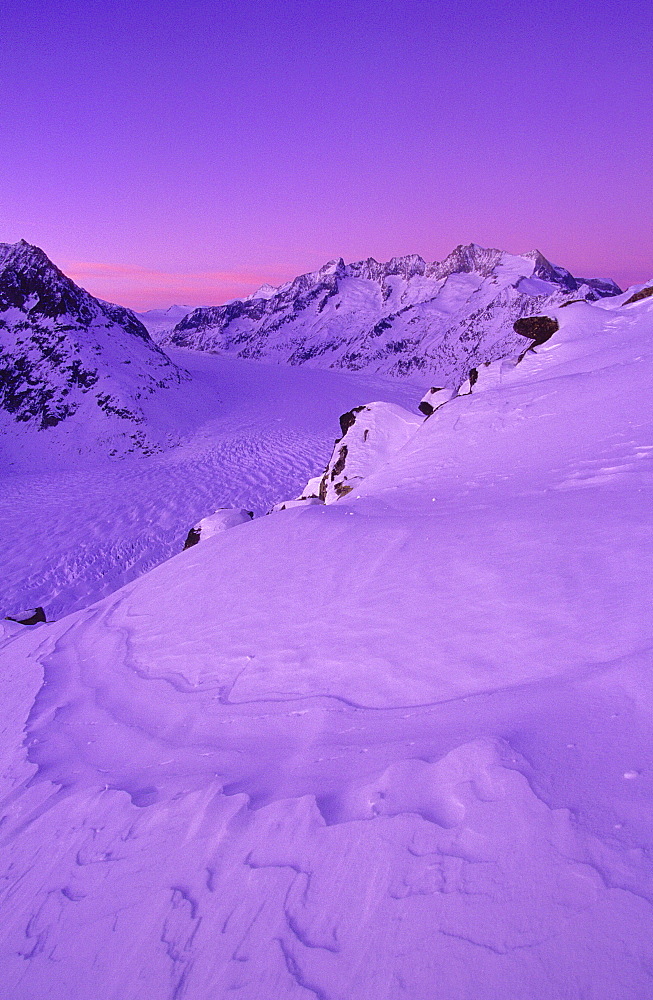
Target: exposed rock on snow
<point>220,520</point>
<point>371,435</point>
<point>537,328</point>
<point>65,354</point>
<point>643,293</point>
<point>401,317</point>
<point>32,616</point>
<point>434,398</point>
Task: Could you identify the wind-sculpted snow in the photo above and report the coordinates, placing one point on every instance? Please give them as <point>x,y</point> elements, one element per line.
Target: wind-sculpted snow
<point>397,745</point>
<point>402,317</point>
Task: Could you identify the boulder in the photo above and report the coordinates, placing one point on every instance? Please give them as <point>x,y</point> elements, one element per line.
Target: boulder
<point>539,329</point>
<point>220,520</point>
<point>433,399</point>
<point>32,616</point>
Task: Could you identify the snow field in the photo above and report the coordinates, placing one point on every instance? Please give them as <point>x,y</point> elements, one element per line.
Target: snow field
<point>249,435</point>
<point>396,746</point>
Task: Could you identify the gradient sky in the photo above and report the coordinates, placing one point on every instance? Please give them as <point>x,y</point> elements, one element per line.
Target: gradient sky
<point>165,152</point>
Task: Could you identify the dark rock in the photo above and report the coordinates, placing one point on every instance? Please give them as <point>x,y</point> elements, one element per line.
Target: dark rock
<point>537,328</point>
<point>339,464</point>
<point>473,377</point>
<point>33,616</point>
<point>348,419</point>
<point>643,293</point>
<point>425,408</point>
<point>192,538</point>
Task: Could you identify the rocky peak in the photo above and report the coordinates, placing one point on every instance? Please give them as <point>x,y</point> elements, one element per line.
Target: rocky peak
<point>547,271</point>
<point>466,259</point>
<point>62,349</point>
<point>335,266</point>
<point>31,282</point>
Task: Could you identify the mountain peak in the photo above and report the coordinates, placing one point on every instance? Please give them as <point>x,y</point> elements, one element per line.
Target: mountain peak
<point>64,350</point>
<point>332,266</point>
<point>395,317</point>
<point>467,258</point>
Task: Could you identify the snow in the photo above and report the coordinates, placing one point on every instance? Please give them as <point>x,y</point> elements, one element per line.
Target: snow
<point>220,520</point>
<point>397,745</point>
<point>404,316</point>
<point>159,322</point>
<point>73,528</point>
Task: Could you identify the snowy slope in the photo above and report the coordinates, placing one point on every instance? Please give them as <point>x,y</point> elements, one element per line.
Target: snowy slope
<point>247,434</point>
<point>393,746</point>
<point>76,374</point>
<point>400,317</point>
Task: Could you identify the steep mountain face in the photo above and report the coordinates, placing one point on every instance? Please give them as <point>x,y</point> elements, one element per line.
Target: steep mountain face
<point>405,316</point>
<point>65,354</point>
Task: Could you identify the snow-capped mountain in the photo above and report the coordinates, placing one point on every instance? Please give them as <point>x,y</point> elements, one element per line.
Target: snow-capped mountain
<point>65,355</point>
<point>405,316</point>
<point>159,322</point>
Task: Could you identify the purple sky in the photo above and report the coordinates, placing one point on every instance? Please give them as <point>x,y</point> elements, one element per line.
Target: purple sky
<point>164,152</point>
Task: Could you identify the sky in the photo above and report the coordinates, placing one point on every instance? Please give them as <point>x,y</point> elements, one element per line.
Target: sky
<point>163,152</point>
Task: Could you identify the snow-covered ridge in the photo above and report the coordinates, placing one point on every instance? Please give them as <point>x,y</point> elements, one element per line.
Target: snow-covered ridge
<point>399,317</point>
<point>65,354</point>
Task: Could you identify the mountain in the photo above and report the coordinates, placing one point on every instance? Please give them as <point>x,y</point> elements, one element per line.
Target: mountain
<point>398,318</point>
<point>394,745</point>
<point>66,356</point>
<point>159,322</point>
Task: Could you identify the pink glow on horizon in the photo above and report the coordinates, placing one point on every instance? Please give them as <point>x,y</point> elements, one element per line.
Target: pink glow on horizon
<point>143,288</point>
<point>227,145</point>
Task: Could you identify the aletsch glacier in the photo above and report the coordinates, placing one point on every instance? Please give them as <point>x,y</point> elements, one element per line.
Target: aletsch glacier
<point>392,745</point>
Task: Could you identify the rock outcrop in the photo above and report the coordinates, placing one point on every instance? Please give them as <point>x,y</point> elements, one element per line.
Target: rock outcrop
<point>220,520</point>
<point>643,293</point>
<point>434,398</point>
<point>539,329</point>
<point>371,435</point>
<point>31,616</point>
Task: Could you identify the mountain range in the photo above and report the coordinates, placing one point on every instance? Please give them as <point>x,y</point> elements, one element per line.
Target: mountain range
<point>398,318</point>
<point>68,359</point>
